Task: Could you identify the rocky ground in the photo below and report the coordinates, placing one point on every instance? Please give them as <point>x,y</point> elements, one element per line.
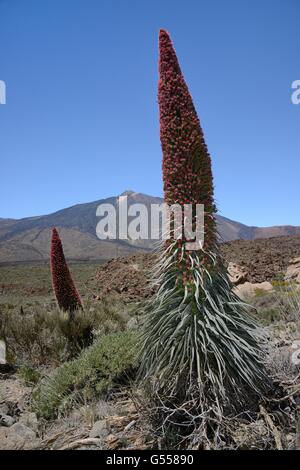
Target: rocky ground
<point>119,420</point>
<point>113,424</point>
<point>125,276</point>
<point>261,260</point>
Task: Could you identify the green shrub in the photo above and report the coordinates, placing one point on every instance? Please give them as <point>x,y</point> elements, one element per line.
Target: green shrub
<point>279,277</point>
<point>98,368</point>
<point>42,334</point>
<point>283,304</point>
<point>29,375</point>
<point>268,316</point>
<point>280,283</point>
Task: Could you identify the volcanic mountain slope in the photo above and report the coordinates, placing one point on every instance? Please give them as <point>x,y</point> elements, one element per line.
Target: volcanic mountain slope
<point>263,259</point>
<point>28,239</point>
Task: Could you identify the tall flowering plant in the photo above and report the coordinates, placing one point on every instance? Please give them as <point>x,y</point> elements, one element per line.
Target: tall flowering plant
<point>64,288</point>
<point>198,340</point>
<point>187,171</point>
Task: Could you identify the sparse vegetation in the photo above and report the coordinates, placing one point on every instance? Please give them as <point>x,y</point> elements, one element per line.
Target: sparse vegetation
<point>108,362</point>
<point>26,284</point>
<point>274,312</point>
<point>43,334</point>
<point>29,375</point>
<point>283,304</point>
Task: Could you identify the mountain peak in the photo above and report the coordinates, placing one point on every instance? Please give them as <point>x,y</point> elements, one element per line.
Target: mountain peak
<point>128,192</point>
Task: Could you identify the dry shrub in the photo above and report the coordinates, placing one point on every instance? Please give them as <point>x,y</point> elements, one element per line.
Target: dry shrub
<point>44,335</point>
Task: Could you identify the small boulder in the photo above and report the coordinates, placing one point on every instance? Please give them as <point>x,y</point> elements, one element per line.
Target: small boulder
<point>248,289</point>
<point>30,420</point>
<point>99,429</point>
<point>4,408</point>
<point>293,270</point>
<point>18,437</point>
<point>6,420</point>
<point>237,274</point>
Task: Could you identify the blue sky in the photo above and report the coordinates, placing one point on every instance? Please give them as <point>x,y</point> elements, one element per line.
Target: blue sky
<point>81,118</point>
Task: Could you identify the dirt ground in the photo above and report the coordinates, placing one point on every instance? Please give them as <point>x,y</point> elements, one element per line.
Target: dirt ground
<point>263,259</point>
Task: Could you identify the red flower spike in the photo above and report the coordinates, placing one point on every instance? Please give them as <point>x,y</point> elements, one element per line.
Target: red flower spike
<point>64,288</point>
<point>187,173</point>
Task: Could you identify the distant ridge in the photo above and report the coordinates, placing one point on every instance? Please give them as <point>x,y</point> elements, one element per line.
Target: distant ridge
<point>28,239</point>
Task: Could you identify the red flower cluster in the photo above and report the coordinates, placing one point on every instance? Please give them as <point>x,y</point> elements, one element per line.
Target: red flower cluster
<point>187,171</point>
<point>65,291</point>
